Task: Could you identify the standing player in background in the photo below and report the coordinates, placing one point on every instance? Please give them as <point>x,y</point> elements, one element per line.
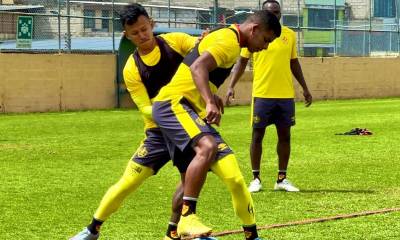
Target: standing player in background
<point>273,97</point>
<point>149,68</point>
<point>187,106</point>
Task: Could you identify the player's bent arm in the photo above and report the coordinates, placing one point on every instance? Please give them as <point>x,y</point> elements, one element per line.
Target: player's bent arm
<point>141,99</point>
<point>200,70</point>
<point>137,90</point>
<point>237,72</point>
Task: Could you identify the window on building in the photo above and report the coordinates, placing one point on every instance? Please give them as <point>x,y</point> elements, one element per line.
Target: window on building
<point>89,22</point>
<point>105,23</point>
<point>385,8</point>
<point>322,18</point>
<point>291,20</point>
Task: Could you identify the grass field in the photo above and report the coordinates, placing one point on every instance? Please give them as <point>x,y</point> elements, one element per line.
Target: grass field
<point>55,167</point>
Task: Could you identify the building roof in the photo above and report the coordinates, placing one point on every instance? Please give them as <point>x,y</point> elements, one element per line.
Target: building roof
<point>19,7</point>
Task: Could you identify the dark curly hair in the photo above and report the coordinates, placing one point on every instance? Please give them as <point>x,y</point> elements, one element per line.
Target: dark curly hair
<point>130,13</point>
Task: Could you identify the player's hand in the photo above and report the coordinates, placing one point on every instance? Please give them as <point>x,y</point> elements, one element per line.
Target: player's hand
<point>307,97</point>
<point>230,93</point>
<point>213,113</point>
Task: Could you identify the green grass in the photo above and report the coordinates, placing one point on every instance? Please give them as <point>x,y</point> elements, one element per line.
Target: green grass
<point>55,167</point>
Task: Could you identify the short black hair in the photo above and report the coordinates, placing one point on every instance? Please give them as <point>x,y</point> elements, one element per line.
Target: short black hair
<point>130,13</point>
<point>270,1</point>
<point>268,21</point>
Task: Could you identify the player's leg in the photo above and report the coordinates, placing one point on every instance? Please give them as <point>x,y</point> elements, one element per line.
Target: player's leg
<point>186,130</point>
<point>283,123</point>
<point>172,233</point>
<point>262,111</point>
<point>255,157</point>
<point>283,151</point>
<point>228,171</point>
<point>195,176</point>
<point>147,160</point>
<point>133,177</point>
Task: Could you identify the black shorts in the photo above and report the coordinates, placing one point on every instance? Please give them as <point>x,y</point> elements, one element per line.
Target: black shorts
<point>182,127</point>
<point>278,111</point>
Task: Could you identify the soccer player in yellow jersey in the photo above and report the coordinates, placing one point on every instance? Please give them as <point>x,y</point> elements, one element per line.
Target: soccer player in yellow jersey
<point>146,71</point>
<point>273,98</point>
<point>187,106</point>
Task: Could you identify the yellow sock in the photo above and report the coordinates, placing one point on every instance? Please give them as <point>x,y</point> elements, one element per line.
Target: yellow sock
<point>227,169</point>
<point>133,177</point>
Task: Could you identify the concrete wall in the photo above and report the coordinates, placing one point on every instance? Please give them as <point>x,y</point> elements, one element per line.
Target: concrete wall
<point>338,78</point>
<point>45,82</point>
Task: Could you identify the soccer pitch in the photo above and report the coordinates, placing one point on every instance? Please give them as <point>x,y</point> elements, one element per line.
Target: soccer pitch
<point>55,168</point>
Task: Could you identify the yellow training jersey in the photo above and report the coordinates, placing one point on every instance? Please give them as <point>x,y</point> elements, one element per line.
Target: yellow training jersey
<point>223,45</point>
<point>271,67</point>
<point>181,43</point>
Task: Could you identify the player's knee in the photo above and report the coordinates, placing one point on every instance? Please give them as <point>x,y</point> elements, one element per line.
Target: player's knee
<point>236,183</point>
<point>122,187</point>
<point>207,146</point>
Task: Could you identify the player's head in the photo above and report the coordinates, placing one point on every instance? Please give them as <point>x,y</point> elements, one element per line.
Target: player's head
<point>272,6</point>
<point>262,28</point>
<point>138,26</point>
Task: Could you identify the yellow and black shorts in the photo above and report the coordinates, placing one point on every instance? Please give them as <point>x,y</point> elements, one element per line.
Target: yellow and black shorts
<point>182,127</point>
<point>153,151</point>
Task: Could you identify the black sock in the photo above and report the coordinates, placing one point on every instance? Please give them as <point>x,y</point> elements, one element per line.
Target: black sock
<point>172,230</point>
<point>250,232</point>
<point>256,174</point>
<point>281,176</point>
<point>189,206</point>
<point>94,226</point>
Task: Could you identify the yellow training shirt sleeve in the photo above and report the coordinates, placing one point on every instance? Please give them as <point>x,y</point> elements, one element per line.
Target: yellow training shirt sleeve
<point>182,43</point>
<point>223,46</point>
<point>245,53</point>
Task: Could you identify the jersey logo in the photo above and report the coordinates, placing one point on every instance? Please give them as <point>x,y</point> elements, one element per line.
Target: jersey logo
<point>281,177</point>
<point>142,151</point>
<point>222,146</point>
<point>185,209</point>
<point>247,234</point>
<point>285,40</point>
<point>250,209</point>
<point>256,119</point>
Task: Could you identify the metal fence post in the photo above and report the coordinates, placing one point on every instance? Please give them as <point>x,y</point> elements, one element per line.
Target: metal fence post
<point>68,39</point>
<point>398,26</point>
<point>59,26</point>
<point>169,13</point>
<point>370,27</point>
<point>113,28</point>
<point>298,26</point>
<point>334,29</point>
<point>215,13</point>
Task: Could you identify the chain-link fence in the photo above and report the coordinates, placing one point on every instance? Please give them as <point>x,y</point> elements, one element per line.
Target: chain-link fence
<point>323,27</point>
